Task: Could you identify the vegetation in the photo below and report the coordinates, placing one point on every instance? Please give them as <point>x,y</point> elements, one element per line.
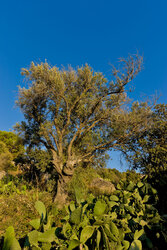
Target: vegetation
<point>11,148</point>
<point>148,152</point>
<point>5,157</point>
<point>13,143</point>
<point>73,118</point>
<point>76,115</point>
<point>127,219</point>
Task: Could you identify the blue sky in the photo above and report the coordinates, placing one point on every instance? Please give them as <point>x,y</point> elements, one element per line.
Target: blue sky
<point>79,32</point>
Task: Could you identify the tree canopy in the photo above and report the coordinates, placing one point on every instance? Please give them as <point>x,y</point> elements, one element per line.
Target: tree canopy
<point>11,146</point>
<point>12,142</point>
<point>147,151</point>
<point>78,115</point>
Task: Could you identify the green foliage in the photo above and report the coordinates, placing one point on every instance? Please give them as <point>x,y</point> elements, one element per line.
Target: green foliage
<point>110,174</point>
<point>119,221</point>
<point>5,157</point>
<point>99,208</point>
<point>13,184</point>
<point>76,114</point>
<point>17,209</point>
<point>3,147</point>
<point>39,159</point>
<point>131,175</point>
<point>78,187</point>
<point>40,207</point>
<point>11,147</point>
<point>37,168</point>
<point>148,150</point>
<point>10,241</point>
<point>13,143</point>
<point>124,220</point>
<point>46,231</point>
<point>10,187</point>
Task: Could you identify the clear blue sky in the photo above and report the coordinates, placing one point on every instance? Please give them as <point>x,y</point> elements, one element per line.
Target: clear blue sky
<point>76,32</point>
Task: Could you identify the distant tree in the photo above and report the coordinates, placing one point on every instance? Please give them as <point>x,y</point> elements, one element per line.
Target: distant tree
<point>11,146</point>
<point>5,157</point>
<point>78,115</point>
<point>13,143</point>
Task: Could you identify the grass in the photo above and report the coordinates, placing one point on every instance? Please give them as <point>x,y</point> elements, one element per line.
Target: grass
<point>18,210</point>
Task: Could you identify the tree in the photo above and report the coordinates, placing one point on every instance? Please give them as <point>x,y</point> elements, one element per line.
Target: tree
<point>13,143</point>
<point>147,151</point>
<point>11,147</point>
<point>78,115</point>
<point>5,157</point>
<point>36,165</point>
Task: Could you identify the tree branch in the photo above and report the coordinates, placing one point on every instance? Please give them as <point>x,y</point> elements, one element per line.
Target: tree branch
<point>73,107</point>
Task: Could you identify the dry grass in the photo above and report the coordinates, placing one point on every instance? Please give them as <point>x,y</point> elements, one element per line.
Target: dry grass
<point>18,210</point>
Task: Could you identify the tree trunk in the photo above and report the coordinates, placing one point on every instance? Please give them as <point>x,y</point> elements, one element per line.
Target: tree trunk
<point>65,174</point>
<point>61,197</point>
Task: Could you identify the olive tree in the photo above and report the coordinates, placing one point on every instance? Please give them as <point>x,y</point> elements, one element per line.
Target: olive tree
<point>78,115</point>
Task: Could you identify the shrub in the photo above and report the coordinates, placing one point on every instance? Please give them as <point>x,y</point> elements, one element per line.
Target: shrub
<point>5,157</point>
<point>126,219</point>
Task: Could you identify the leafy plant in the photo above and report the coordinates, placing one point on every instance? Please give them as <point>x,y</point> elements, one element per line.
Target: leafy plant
<point>126,219</point>
<point>10,184</point>
<point>44,231</point>
<point>119,221</point>
<point>10,241</point>
<point>10,187</point>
